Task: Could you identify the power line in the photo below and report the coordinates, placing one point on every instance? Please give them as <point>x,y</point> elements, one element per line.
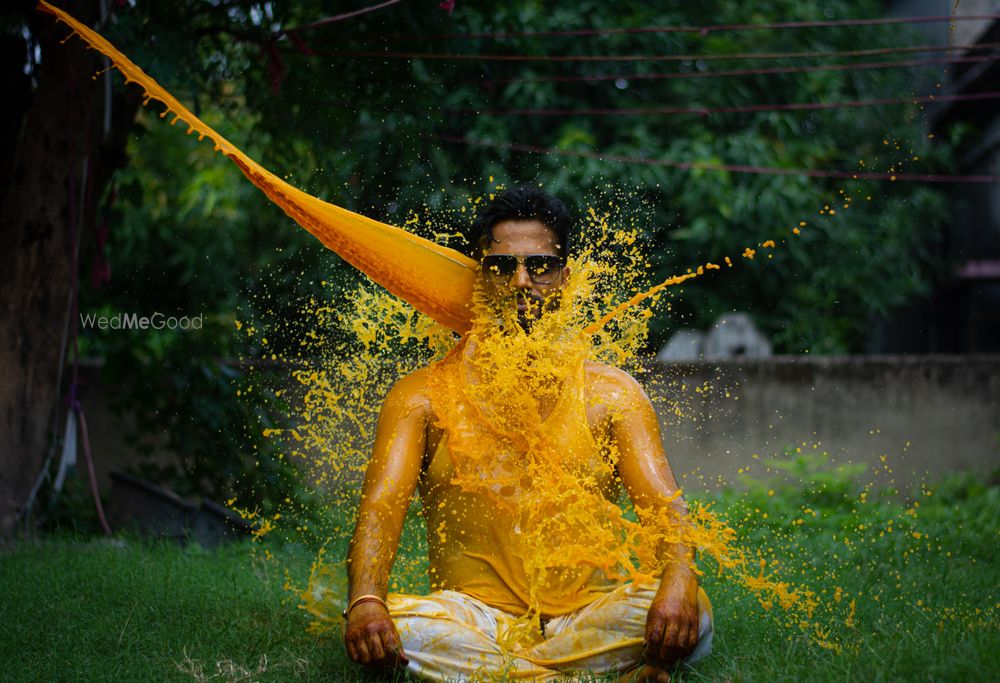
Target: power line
<point>706,111</point>
<point>705,30</point>
<point>812,54</point>
<point>334,19</point>
<point>898,64</point>
<point>733,168</point>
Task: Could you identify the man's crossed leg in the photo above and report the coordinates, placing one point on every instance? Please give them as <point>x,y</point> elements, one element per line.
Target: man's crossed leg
<point>450,636</point>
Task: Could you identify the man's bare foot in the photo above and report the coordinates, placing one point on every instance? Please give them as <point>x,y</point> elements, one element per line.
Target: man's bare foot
<point>646,672</point>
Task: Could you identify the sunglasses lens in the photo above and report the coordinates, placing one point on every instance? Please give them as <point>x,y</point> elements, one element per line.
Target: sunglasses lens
<point>543,268</point>
<point>499,266</point>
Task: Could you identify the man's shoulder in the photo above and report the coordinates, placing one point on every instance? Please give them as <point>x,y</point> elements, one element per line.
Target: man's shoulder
<point>410,391</point>
<point>610,383</point>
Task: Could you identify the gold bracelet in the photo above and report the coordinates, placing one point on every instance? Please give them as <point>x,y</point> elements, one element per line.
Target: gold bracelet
<point>364,598</point>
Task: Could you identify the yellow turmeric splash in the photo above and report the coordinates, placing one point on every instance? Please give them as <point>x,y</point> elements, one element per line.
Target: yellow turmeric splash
<point>522,504</point>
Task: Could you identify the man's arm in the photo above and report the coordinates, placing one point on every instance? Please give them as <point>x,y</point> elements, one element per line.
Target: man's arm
<point>673,619</point>
<point>370,636</point>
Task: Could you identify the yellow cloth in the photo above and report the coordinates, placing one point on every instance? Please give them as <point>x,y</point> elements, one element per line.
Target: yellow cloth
<point>450,636</point>
<point>473,536</point>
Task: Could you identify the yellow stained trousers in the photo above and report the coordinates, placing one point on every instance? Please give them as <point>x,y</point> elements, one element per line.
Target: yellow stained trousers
<point>450,636</point>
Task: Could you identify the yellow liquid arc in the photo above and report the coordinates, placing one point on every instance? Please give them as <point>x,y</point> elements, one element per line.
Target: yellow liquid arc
<point>436,280</point>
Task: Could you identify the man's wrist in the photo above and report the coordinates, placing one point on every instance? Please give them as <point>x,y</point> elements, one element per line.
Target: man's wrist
<point>679,565</point>
<point>680,570</point>
<point>363,600</point>
<point>678,554</point>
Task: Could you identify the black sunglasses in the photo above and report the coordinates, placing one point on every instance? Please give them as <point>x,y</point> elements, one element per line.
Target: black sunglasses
<point>543,269</point>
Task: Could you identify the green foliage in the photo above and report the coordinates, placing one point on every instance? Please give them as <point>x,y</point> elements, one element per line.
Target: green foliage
<point>819,293</point>
<point>805,478</point>
<point>196,243</point>
<point>190,235</point>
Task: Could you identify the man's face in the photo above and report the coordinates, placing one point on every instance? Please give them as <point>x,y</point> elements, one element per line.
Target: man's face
<point>534,284</point>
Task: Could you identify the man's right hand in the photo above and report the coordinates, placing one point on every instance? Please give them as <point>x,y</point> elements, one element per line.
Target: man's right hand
<point>371,637</point>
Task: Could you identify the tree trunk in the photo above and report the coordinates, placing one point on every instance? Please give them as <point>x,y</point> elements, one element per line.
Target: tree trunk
<point>62,133</point>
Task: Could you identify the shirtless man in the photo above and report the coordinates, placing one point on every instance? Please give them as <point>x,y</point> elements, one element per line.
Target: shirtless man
<point>460,629</point>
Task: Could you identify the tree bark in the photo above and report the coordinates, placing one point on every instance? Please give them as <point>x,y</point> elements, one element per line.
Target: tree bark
<point>61,134</point>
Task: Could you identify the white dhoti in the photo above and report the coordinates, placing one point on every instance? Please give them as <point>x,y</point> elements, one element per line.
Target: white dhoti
<point>450,636</point>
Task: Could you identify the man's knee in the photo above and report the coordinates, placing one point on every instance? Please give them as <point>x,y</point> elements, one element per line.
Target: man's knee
<point>445,635</point>
<point>444,609</point>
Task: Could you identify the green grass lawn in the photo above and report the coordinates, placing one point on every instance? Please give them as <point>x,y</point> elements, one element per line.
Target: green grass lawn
<point>85,608</point>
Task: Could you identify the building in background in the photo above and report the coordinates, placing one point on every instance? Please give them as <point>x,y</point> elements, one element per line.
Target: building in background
<point>963,313</point>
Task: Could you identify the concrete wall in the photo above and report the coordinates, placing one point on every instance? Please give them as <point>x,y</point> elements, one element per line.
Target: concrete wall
<point>925,414</point>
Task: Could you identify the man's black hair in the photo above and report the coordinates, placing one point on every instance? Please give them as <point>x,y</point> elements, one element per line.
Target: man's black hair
<point>523,202</point>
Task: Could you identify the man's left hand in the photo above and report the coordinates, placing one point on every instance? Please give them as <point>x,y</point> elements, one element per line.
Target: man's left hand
<point>672,623</point>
